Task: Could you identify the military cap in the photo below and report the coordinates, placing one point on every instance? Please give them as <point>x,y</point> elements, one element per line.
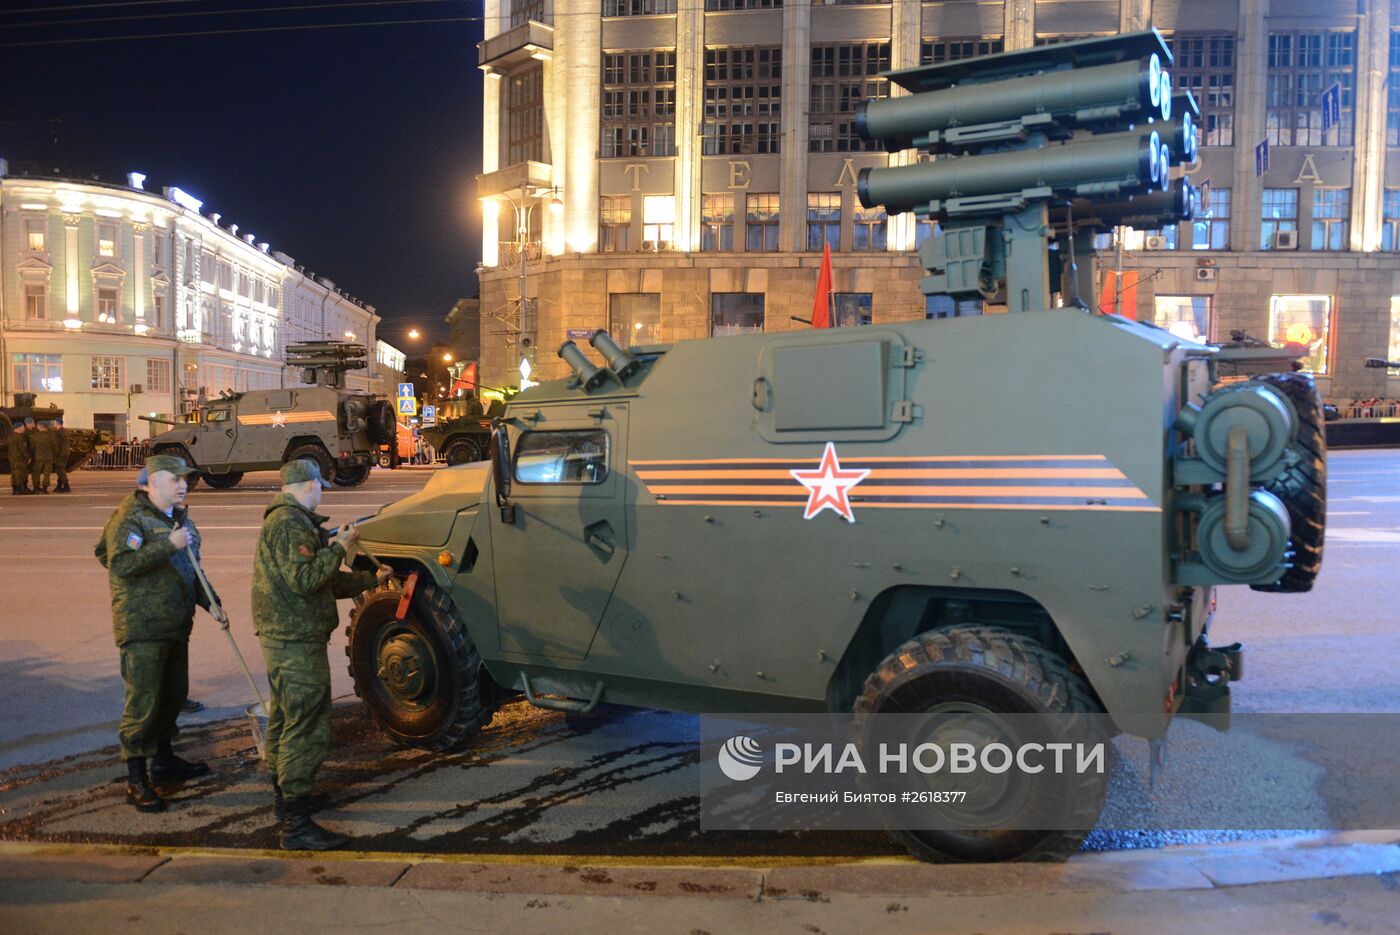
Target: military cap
<point>302,470</point>
<point>58,421</point>
<point>169,463</point>
<point>29,421</point>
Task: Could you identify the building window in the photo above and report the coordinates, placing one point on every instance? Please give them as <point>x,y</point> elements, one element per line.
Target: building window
<point>937,51</point>
<point>1303,65</point>
<point>522,11</point>
<point>852,308</point>
<point>639,103</point>
<point>1331,211</point>
<point>1186,316</point>
<point>34,230</point>
<point>1390,225</point>
<point>717,223</point>
<point>945,306</point>
<point>743,87</point>
<point>108,373</point>
<point>106,239</point>
<point>615,223</point>
<point>635,317</point>
<point>719,6</point>
<point>638,7</point>
<point>658,222</point>
<point>1302,319</point>
<point>1204,64</point>
<point>108,305</point>
<point>869,231</point>
<point>525,116</point>
<point>157,376</point>
<point>1393,352</point>
<point>736,313</point>
<point>1279,208</point>
<point>823,220</point>
<point>1157,238</point>
<point>923,230</point>
<point>158,310</point>
<point>38,373</point>
<point>761,222</point>
<point>1392,82</point>
<point>36,301</point>
<point>1210,230</point>
<point>843,75</point>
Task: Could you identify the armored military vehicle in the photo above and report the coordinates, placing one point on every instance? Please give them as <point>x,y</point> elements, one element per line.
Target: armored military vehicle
<point>466,437</point>
<point>82,442</point>
<point>1023,512</point>
<point>260,430</point>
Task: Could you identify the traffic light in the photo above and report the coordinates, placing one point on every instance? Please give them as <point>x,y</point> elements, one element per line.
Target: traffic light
<point>1029,146</point>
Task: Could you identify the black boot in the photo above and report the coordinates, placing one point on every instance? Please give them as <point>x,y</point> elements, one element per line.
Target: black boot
<point>300,833</point>
<point>138,787</point>
<point>167,767</point>
<point>279,804</point>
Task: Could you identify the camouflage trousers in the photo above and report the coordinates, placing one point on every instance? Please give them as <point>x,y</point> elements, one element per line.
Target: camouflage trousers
<point>157,677</point>
<point>19,475</point>
<point>299,712</point>
<point>41,471</point>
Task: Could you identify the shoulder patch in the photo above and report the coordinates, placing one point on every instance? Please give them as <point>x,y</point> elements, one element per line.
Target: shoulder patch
<point>304,550</point>
<point>134,541</point>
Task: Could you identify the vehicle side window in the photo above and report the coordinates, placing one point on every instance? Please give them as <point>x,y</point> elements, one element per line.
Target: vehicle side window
<point>569,457</point>
<point>216,415</point>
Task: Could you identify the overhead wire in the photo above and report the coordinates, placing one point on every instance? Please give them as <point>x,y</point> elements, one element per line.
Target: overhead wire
<point>192,13</point>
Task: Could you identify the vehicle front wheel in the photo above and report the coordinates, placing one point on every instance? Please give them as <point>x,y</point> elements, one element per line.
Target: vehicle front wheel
<point>462,451</point>
<point>223,481</point>
<point>968,675</point>
<point>351,477</point>
<point>420,678</point>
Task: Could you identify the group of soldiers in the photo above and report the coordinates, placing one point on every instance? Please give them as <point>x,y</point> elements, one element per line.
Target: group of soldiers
<point>150,548</point>
<point>37,450</point>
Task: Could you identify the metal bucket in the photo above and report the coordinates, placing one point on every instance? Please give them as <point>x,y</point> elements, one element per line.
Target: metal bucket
<point>257,718</point>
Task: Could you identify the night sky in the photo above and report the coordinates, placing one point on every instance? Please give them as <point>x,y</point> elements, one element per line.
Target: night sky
<point>354,150</point>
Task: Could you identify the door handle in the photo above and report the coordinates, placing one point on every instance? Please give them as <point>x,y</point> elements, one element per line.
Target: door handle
<point>598,535</point>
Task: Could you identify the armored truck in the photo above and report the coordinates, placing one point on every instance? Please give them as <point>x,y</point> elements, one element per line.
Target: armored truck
<point>1025,512</point>
<point>260,430</point>
<point>82,442</point>
<point>462,439</point>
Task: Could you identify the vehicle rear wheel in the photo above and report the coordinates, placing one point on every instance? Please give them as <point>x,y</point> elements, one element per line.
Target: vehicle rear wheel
<point>351,477</point>
<point>317,454</point>
<point>420,678</point>
<point>986,671</point>
<point>385,460</point>
<point>223,481</point>
<point>461,451</point>
<point>1302,487</point>
<point>181,452</point>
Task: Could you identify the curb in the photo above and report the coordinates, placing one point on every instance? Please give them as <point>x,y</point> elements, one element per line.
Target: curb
<point>1176,868</point>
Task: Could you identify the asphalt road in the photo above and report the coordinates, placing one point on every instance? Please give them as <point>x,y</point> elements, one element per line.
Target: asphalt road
<point>536,781</point>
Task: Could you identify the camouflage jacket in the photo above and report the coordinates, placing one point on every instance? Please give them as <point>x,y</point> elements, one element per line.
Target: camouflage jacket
<point>20,450</point>
<point>63,445</point>
<point>45,445</point>
<point>154,589</point>
<point>296,579</point>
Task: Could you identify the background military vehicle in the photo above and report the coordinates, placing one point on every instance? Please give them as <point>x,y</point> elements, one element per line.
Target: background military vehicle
<point>464,438</point>
<point>82,442</point>
<point>1022,512</point>
<point>261,430</point>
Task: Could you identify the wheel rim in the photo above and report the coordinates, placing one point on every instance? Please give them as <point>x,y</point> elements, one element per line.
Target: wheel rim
<point>991,798</point>
<point>406,668</point>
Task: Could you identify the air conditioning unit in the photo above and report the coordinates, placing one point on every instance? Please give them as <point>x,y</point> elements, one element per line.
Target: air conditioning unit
<point>648,246</point>
<point>1155,242</point>
<point>1286,240</point>
<point>1205,274</point>
<point>663,245</point>
<point>137,388</point>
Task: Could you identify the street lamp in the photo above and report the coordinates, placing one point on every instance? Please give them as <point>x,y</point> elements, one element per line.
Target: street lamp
<point>413,334</point>
<point>447,358</point>
<point>524,206</point>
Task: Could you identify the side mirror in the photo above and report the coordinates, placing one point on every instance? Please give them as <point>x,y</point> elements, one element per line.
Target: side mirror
<point>501,471</point>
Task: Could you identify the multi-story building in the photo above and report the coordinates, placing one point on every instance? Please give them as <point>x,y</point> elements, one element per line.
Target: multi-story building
<point>670,170</point>
<point>388,369</point>
<point>117,302</point>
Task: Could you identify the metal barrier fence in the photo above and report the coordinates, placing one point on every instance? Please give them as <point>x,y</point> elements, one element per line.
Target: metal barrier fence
<point>1370,409</point>
<point>122,456</point>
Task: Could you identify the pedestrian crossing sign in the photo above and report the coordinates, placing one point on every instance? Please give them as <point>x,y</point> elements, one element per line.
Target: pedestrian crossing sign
<point>408,406</point>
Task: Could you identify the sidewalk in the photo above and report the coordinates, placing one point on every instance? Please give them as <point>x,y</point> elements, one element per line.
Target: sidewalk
<point>1290,885</point>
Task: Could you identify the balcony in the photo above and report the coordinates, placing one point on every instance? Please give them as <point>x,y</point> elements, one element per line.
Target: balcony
<point>515,179</point>
<point>510,251</point>
<point>529,40</point>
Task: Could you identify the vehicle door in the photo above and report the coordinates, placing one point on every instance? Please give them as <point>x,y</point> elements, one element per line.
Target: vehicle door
<point>218,430</point>
<point>557,563</point>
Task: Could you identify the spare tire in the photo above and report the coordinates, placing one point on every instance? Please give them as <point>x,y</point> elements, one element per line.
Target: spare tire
<point>354,409</point>
<point>1302,486</point>
<point>383,427</point>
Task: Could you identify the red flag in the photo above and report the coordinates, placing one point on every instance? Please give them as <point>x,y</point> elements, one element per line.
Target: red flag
<point>467,381</point>
<point>821,305</point>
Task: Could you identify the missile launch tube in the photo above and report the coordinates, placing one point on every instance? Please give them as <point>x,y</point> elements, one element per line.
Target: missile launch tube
<point>1134,158</point>
<point>899,121</point>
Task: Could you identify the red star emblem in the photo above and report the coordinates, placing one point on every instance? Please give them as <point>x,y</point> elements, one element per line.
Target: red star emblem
<point>829,486</point>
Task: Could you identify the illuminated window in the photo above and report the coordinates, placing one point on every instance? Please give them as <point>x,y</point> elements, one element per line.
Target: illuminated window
<point>852,308</point>
<point>945,306</point>
<point>1301,67</point>
<point>38,373</point>
<point>743,88</point>
<point>157,376</point>
<point>869,230</point>
<point>635,318</point>
<point>1331,224</point>
<point>1393,352</point>
<point>1279,210</point>
<point>1204,64</point>
<point>1211,228</point>
<point>34,234</point>
<point>107,305</point>
<point>108,373</point>
<point>1390,223</point>
<point>658,221</point>
<point>1392,98</point>
<point>717,223</point>
<point>106,239</point>
<point>843,75</point>
<point>1186,316</point>
<point>615,223</point>
<point>823,220</point>
<point>36,301</point>
<point>761,222</point>
<point>1302,319</point>
<point>1161,238</point>
<point>736,313</point>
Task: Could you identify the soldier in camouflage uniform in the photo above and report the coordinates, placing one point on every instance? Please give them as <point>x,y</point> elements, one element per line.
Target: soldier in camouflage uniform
<point>296,582</point>
<point>44,450</point>
<point>63,448</point>
<point>19,459</point>
<point>154,593</point>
